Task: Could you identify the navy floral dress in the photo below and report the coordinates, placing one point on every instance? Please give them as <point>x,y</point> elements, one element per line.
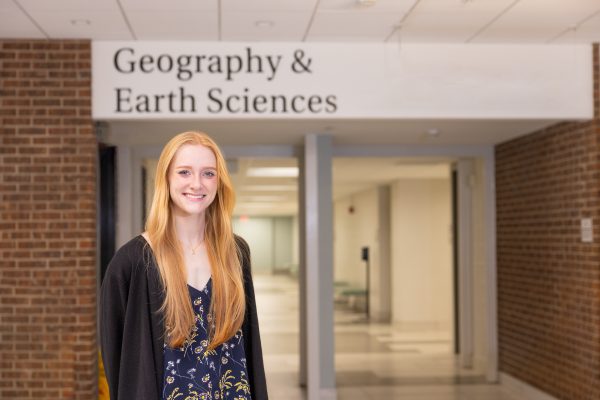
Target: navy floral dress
<point>191,372</point>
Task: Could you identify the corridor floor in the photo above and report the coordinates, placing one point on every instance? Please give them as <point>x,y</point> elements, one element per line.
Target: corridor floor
<point>373,361</point>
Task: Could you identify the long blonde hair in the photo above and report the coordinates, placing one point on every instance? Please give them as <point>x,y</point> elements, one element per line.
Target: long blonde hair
<point>228,300</point>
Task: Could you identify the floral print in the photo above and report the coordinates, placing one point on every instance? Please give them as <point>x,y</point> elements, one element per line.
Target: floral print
<point>192,372</point>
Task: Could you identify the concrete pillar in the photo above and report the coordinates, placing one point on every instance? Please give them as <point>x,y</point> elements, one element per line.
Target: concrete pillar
<point>317,275</point>
<point>464,169</point>
<point>302,270</point>
<point>380,292</point>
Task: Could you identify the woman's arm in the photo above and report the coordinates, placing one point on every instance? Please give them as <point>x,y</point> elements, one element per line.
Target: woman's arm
<point>113,305</point>
<point>252,343</point>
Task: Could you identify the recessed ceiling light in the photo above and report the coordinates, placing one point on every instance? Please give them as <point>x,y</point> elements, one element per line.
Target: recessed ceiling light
<point>366,3</point>
<point>260,199</point>
<point>80,22</point>
<point>255,205</point>
<point>433,132</point>
<point>269,188</point>
<point>264,24</point>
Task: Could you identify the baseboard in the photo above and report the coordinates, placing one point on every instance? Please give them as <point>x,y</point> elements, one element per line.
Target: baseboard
<point>522,389</point>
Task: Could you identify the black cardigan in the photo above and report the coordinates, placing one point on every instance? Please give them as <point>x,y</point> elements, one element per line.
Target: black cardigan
<point>132,329</point>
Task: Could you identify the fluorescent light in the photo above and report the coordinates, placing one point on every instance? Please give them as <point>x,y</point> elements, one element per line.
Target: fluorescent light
<point>261,198</point>
<point>255,205</point>
<point>273,172</point>
<point>80,22</point>
<point>265,24</point>
<point>269,188</point>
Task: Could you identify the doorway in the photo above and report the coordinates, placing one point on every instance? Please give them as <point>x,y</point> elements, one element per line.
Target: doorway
<point>398,300</point>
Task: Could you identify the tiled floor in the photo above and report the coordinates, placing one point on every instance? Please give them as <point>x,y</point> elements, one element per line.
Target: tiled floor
<point>373,361</point>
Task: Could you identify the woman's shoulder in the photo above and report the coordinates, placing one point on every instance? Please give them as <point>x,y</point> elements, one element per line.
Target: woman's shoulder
<point>243,251</point>
<point>241,244</point>
<point>127,257</point>
<point>133,248</point>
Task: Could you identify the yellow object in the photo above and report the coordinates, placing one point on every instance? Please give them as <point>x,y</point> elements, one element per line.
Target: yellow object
<point>103,393</point>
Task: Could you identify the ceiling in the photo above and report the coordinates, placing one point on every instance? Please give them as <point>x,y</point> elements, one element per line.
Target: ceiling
<point>418,21</point>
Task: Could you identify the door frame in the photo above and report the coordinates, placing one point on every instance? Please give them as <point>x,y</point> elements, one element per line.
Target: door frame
<point>466,155</point>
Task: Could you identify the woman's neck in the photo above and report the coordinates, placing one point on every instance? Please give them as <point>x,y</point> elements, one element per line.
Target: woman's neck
<point>189,228</point>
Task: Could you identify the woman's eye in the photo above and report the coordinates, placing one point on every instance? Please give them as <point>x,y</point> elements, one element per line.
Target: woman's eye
<point>210,174</point>
<point>183,172</point>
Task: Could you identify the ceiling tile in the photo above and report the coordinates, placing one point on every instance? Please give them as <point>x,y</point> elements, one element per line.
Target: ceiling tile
<point>441,21</point>
<point>103,25</point>
<point>55,17</point>
<point>400,6</point>
<point>588,32</point>
<point>15,24</point>
<point>449,20</point>
<point>287,26</point>
<point>351,26</point>
<point>537,20</point>
<point>174,25</point>
<point>171,5</point>
<point>268,5</point>
<point>36,6</point>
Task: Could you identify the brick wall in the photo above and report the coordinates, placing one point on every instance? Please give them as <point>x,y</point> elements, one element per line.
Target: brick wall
<point>548,280</point>
<point>47,221</point>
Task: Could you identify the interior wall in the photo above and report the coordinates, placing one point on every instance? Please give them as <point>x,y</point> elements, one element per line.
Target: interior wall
<point>295,241</point>
<point>353,230</point>
<point>258,232</point>
<point>282,246</point>
<point>421,243</point>
<point>270,240</point>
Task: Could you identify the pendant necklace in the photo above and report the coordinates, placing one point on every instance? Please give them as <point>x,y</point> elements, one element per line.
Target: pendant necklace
<point>196,248</point>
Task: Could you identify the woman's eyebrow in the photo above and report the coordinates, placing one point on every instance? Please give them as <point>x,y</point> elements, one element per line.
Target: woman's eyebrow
<point>190,167</point>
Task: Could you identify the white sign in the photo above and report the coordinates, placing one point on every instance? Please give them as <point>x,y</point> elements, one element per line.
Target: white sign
<point>189,80</point>
<point>587,233</point>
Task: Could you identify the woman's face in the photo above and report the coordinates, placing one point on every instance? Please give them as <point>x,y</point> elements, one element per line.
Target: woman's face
<point>192,179</point>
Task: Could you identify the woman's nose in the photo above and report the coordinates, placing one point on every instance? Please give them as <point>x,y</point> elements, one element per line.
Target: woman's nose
<point>197,182</point>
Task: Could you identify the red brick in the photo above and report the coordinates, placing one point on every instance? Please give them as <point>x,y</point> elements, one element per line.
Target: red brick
<point>46,134</point>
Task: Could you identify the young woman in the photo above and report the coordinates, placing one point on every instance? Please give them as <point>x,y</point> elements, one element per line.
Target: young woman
<point>178,316</point>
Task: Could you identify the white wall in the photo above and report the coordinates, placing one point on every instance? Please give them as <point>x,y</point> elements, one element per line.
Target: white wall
<point>270,240</point>
<point>422,252</point>
<point>282,242</point>
<point>258,232</point>
<point>295,241</point>
<point>352,231</point>
<point>366,226</point>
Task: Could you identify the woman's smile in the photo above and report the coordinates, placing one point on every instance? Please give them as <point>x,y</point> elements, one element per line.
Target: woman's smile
<point>194,197</point>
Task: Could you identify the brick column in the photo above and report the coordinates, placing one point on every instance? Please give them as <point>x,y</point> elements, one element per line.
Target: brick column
<point>47,221</point>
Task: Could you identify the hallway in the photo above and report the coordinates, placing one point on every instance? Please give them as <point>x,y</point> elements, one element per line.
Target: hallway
<point>397,364</point>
